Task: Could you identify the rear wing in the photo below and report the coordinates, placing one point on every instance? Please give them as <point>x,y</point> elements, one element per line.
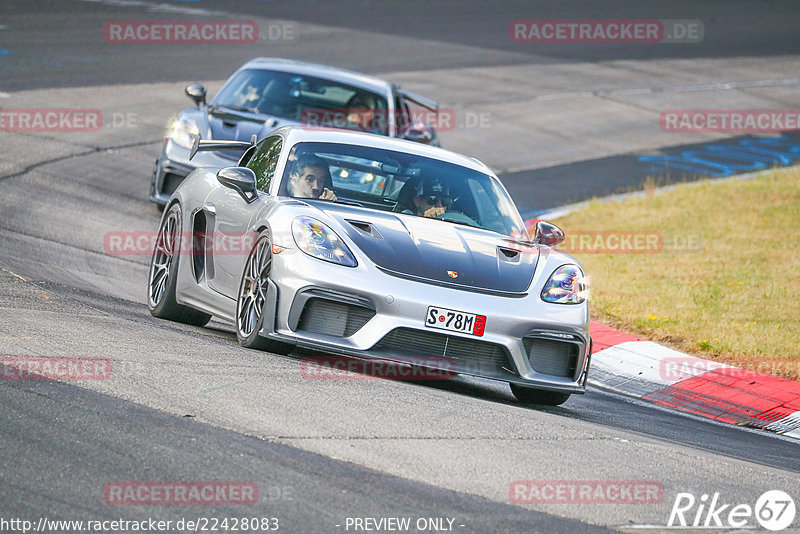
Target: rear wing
<point>419,99</point>
<point>205,146</point>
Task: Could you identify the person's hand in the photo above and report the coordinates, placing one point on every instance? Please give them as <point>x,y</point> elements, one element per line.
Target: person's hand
<point>327,194</point>
<point>435,211</point>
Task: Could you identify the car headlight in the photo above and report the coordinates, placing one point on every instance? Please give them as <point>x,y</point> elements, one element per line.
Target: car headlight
<point>316,239</point>
<point>182,132</point>
<point>566,285</point>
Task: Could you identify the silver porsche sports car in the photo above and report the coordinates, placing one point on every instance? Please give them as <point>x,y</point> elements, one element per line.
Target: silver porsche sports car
<point>267,93</point>
<point>369,247</point>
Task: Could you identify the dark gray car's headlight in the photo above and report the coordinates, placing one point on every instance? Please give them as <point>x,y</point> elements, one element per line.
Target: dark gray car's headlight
<point>182,132</point>
<point>566,285</point>
<point>318,240</point>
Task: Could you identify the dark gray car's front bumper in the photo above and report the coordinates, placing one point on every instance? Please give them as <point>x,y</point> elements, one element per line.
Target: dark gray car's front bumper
<point>173,165</point>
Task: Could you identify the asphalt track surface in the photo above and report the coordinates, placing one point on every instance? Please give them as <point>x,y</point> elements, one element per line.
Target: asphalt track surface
<point>187,403</point>
<point>732,29</point>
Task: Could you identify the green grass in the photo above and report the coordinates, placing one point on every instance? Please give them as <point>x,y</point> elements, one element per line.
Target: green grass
<point>725,285</point>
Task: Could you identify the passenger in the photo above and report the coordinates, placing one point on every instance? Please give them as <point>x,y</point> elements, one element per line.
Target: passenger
<point>432,198</point>
<point>311,178</point>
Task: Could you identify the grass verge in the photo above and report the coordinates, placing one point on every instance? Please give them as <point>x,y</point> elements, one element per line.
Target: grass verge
<point>711,269</point>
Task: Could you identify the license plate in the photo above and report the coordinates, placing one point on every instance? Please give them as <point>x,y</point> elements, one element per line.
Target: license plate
<point>455,321</point>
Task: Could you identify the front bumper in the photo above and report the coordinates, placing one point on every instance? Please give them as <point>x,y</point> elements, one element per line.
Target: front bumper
<point>173,165</point>
<point>367,313</point>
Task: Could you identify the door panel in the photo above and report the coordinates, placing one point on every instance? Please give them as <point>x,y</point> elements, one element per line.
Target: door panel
<point>232,220</point>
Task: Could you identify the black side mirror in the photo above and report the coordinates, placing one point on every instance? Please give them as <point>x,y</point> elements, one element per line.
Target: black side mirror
<point>548,234</point>
<point>419,133</point>
<point>197,93</point>
<point>240,179</point>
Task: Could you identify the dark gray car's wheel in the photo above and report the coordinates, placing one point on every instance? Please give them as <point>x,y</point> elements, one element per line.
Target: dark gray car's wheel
<point>163,270</point>
<point>253,296</point>
<point>538,396</point>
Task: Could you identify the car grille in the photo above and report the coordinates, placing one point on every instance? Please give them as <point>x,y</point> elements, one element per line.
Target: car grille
<point>467,355</point>
<point>324,316</point>
<point>552,357</point>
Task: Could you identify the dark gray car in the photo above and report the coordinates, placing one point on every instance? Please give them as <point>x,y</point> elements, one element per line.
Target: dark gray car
<point>267,93</point>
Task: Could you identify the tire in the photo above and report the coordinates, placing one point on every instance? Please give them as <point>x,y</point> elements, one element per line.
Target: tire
<point>252,296</point>
<point>528,395</point>
<point>163,274</point>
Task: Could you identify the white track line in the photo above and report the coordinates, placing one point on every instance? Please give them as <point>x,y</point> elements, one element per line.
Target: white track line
<point>157,7</point>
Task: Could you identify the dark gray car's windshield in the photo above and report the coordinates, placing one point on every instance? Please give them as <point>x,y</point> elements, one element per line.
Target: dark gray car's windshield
<point>403,183</point>
<point>305,99</point>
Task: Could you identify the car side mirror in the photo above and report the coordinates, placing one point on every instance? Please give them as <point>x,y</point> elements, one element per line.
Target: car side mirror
<point>419,133</point>
<point>240,179</point>
<point>548,234</point>
<point>197,93</point>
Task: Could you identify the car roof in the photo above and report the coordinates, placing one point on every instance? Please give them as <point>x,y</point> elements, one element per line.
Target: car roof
<point>336,74</point>
<point>300,133</point>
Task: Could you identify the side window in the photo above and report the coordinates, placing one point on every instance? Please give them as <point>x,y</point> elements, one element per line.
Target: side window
<point>265,160</point>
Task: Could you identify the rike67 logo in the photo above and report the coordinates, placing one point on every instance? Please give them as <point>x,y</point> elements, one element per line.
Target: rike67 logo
<point>774,510</point>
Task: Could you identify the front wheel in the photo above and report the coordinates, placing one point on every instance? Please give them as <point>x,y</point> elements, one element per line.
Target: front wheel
<point>253,296</point>
<point>164,273</point>
<point>528,395</point>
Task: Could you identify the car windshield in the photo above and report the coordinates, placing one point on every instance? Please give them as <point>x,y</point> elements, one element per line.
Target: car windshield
<point>404,183</point>
<point>305,99</point>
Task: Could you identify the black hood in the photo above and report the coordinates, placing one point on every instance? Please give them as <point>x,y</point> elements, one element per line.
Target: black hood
<point>233,125</point>
<point>436,250</point>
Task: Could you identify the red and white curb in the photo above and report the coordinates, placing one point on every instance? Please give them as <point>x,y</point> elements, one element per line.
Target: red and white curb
<point>652,372</point>
<point>633,366</point>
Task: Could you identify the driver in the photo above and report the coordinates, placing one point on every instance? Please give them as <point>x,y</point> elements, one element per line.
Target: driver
<point>310,177</point>
<point>361,112</point>
<point>251,95</point>
<point>432,198</point>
